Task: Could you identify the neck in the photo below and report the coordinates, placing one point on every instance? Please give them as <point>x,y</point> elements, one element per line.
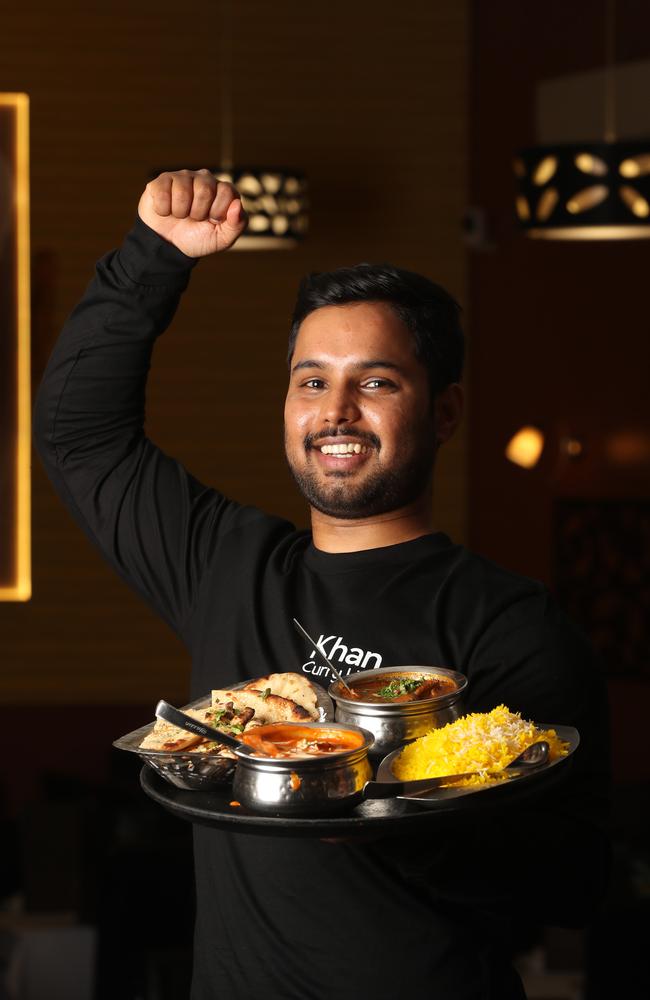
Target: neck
<point>332,534</point>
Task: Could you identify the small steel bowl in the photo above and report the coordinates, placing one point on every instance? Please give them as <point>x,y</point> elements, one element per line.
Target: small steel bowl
<point>304,786</point>
<point>395,724</point>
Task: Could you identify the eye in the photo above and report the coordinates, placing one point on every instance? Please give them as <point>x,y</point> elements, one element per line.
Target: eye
<point>378,383</point>
<point>313,383</point>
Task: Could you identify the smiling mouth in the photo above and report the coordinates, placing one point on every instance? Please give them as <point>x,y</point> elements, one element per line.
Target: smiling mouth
<point>344,446</point>
<point>349,448</point>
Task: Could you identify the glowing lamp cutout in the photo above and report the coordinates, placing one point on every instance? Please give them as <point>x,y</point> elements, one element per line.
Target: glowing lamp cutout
<point>525,448</point>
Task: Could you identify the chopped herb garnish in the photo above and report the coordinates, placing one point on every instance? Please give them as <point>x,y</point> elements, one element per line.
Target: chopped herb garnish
<point>399,686</point>
<point>265,693</point>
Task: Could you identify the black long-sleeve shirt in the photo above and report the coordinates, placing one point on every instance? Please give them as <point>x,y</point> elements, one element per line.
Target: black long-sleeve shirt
<point>305,919</point>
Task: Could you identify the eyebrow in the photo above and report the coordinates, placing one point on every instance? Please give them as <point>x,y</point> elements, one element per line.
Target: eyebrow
<point>357,366</point>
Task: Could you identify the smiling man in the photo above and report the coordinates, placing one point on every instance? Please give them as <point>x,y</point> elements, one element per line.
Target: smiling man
<point>375,361</point>
<point>362,418</point>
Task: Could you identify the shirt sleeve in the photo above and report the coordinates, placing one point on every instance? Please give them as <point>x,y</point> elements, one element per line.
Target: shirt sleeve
<point>150,518</point>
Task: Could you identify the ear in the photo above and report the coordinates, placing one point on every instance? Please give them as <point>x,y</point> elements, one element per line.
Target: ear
<point>448,411</point>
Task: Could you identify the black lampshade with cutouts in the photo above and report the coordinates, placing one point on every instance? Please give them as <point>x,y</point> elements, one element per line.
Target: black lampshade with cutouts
<point>584,191</point>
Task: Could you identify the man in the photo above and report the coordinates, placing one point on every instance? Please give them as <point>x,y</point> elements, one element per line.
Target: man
<point>375,362</point>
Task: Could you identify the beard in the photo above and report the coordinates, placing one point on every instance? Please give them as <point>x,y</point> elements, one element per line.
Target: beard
<point>381,492</point>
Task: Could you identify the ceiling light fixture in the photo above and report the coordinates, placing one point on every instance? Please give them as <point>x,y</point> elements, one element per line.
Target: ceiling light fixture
<point>275,198</point>
<point>589,190</point>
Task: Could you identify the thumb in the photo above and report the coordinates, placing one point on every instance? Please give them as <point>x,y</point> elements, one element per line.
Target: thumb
<point>234,224</point>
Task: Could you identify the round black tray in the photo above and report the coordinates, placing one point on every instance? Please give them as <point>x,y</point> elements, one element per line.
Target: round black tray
<point>213,807</point>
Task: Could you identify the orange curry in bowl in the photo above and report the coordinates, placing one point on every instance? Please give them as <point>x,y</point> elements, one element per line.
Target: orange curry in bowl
<point>291,740</point>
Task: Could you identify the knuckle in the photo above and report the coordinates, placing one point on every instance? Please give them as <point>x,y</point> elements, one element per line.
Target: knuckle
<point>204,187</point>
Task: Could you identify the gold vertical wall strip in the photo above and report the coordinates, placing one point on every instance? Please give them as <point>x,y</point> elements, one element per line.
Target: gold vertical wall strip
<point>21,587</point>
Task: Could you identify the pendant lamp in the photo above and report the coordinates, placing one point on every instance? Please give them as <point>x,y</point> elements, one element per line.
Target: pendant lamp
<point>275,198</point>
<point>588,190</point>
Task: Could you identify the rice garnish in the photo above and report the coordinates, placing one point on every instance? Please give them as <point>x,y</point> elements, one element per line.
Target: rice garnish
<point>482,741</point>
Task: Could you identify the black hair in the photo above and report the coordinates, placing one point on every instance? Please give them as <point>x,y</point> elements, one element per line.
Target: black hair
<point>430,313</point>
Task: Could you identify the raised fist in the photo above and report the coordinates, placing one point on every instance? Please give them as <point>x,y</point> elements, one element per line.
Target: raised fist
<point>193,210</point>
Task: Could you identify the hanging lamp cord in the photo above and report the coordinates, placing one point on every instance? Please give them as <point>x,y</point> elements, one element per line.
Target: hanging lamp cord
<point>225,86</point>
<point>610,71</point>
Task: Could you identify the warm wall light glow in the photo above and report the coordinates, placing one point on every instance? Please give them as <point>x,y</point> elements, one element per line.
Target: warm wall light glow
<point>526,447</point>
<point>16,108</point>
<point>628,448</point>
<point>572,447</point>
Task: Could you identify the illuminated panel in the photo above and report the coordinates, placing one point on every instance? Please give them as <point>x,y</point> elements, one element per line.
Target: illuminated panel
<point>15,405</point>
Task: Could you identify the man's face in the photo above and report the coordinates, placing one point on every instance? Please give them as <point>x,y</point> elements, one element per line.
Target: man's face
<point>359,422</point>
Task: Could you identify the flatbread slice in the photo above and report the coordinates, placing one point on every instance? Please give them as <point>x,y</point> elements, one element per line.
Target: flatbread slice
<point>271,708</point>
<point>166,736</point>
<point>293,686</point>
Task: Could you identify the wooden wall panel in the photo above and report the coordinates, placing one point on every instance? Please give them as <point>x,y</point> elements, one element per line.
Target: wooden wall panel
<point>370,101</point>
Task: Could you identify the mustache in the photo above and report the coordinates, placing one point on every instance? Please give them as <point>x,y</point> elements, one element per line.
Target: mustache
<point>329,432</point>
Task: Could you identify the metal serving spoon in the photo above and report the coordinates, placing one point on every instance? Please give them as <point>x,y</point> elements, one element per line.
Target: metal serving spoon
<point>174,715</point>
<point>321,656</point>
<point>533,756</point>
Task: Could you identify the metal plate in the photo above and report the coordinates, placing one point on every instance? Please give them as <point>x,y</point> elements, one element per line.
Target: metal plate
<point>443,795</point>
<point>374,816</point>
<point>201,771</point>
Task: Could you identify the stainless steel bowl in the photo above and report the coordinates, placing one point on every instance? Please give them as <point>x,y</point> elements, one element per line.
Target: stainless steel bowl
<point>304,786</point>
<point>395,724</point>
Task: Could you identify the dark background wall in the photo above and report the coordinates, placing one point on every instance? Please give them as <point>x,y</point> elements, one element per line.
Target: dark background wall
<point>560,340</point>
<point>370,101</point>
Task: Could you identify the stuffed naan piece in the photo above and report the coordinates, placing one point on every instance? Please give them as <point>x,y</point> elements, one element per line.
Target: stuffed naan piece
<point>268,707</point>
<point>232,719</point>
<point>295,687</point>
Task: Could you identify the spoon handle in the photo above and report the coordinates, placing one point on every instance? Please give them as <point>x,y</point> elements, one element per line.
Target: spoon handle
<point>174,715</point>
<point>321,656</point>
<point>533,757</point>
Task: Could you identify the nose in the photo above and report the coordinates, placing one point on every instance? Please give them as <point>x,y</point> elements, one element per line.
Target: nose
<point>340,406</point>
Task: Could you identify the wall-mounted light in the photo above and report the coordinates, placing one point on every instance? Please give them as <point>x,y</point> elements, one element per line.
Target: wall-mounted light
<point>15,426</point>
<point>525,448</point>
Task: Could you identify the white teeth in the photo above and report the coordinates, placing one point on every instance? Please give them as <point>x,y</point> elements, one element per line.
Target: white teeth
<point>343,449</point>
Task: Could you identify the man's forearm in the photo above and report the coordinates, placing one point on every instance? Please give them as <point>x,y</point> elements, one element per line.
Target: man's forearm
<point>90,406</point>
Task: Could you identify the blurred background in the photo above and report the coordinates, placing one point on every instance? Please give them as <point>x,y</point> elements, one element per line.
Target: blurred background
<point>405,121</point>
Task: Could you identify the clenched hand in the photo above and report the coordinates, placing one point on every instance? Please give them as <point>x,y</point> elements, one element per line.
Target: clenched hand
<point>194,211</point>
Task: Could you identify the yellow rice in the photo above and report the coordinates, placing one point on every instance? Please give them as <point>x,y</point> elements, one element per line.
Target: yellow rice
<point>483,742</point>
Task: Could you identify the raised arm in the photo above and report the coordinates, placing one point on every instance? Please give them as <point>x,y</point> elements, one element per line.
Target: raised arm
<point>150,518</point>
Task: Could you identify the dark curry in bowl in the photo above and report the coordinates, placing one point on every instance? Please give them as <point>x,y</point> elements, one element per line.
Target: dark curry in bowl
<point>400,703</point>
<point>400,686</point>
